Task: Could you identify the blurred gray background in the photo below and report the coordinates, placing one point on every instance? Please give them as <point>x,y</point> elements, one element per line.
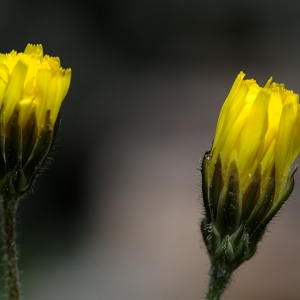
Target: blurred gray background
<point>116,215</point>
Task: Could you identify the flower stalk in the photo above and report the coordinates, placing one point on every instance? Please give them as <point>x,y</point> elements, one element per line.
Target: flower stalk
<point>220,276</point>
<point>9,207</point>
<point>246,175</point>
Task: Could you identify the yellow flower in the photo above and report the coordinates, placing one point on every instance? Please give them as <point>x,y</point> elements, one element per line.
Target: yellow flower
<point>246,174</point>
<point>258,129</point>
<point>30,82</point>
<point>32,88</point>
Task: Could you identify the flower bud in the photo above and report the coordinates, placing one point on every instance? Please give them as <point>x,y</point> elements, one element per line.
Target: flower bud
<point>32,88</point>
<point>246,175</point>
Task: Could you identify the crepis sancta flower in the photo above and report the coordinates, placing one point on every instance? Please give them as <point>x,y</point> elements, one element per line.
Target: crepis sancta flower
<point>32,88</point>
<point>246,175</point>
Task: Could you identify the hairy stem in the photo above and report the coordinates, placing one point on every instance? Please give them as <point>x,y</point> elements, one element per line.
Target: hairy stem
<point>9,207</point>
<point>220,276</point>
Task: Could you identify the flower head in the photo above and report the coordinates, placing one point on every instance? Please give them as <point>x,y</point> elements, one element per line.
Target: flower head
<point>246,175</point>
<point>32,88</point>
<point>258,127</point>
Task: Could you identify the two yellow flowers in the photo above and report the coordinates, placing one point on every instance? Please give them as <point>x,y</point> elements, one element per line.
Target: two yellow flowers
<point>32,88</point>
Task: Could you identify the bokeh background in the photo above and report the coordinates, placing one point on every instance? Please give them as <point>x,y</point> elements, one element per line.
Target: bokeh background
<point>116,215</point>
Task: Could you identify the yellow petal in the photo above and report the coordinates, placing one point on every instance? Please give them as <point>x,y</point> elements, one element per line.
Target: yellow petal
<point>283,144</point>
<point>14,90</point>
<point>231,116</point>
<point>296,137</point>
<point>34,49</point>
<point>227,105</point>
<point>253,131</point>
<point>63,82</point>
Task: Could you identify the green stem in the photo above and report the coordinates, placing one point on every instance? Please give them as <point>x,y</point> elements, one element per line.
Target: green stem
<point>220,275</point>
<point>9,207</point>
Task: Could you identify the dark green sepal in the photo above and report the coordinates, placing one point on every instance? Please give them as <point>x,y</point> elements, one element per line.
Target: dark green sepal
<point>211,236</point>
<point>221,216</point>
<point>3,170</point>
<point>229,252</point>
<point>257,234</point>
<point>236,248</point>
<point>216,187</point>
<point>39,152</point>
<point>251,195</point>
<point>216,238</point>
<point>242,250</point>
<point>236,236</point>
<point>206,234</point>
<point>29,136</point>
<point>262,205</point>
<point>13,138</point>
<point>277,205</point>
<point>206,187</point>
<point>230,203</point>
